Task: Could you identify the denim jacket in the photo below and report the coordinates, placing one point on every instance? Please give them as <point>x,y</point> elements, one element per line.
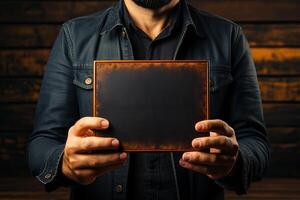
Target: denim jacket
<point>66,96</point>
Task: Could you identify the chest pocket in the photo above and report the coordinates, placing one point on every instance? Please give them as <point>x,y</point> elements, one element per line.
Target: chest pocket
<point>220,77</point>
<point>83,81</point>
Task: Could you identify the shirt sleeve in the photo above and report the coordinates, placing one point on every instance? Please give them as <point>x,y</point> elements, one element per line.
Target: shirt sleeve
<point>246,118</point>
<point>56,112</point>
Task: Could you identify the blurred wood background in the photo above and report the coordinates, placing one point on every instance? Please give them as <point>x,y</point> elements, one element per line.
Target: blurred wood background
<point>27,32</point>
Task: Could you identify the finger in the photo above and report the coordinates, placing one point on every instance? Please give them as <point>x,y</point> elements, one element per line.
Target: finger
<point>94,143</point>
<point>86,123</point>
<point>94,161</point>
<point>218,142</point>
<point>208,159</point>
<point>215,125</point>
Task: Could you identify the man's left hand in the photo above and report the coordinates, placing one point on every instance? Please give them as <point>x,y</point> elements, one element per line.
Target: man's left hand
<point>215,155</point>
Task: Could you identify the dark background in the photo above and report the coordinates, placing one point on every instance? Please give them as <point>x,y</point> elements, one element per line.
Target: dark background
<point>27,32</point>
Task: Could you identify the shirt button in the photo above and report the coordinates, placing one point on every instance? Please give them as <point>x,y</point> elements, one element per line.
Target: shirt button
<point>119,188</point>
<point>88,81</point>
<point>47,176</point>
<point>124,35</point>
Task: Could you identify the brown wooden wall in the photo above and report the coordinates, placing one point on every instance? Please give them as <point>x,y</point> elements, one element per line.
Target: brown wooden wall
<point>28,29</point>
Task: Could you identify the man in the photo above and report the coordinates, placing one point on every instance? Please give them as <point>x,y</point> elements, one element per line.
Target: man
<point>61,147</point>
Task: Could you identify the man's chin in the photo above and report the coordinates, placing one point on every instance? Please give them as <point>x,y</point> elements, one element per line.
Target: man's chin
<point>152,4</point>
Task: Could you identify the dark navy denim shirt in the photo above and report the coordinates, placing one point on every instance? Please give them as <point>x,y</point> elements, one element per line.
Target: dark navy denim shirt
<point>66,96</point>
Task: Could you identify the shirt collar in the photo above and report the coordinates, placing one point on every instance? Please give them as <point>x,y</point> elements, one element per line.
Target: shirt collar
<point>114,20</point>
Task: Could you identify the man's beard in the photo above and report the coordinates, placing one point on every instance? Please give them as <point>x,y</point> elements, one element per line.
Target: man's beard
<point>152,4</point>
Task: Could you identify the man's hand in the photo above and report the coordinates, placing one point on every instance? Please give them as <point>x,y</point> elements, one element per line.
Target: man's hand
<point>215,155</point>
<point>85,154</point>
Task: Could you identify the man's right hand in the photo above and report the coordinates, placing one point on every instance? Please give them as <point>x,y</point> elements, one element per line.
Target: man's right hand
<point>83,159</point>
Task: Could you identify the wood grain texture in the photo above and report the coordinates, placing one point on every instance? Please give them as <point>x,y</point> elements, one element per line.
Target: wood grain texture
<point>23,62</point>
<point>270,189</point>
<point>277,61</point>
<point>60,11</point>
<point>272,35</point>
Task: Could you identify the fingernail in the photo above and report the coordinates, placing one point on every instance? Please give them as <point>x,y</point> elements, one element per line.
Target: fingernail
<point>104,123</point>
<point>115,143</point>
<point>123,156</point>
<point>181,162</point>
<point>199,127</point>
<point>186,157</point>
<point>196,144</point>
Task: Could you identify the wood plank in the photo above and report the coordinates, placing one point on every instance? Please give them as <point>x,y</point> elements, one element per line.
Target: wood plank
<point>282,114</point>
<point>284,135</point>
<point>59,11</point>
<point>269,61</point>
<point>19,90</point>
<point>43,35</point>
<point>26,90</point>
<point>22,114</point>
<point>47,11</point>
<point>13,153</point>
<point>280,89</point>
<point>277,61</point>
<point>28,35</point>
<point>248,10</point>
<point>23,62</point>
<point>272,35</point>
<point>270,189</point>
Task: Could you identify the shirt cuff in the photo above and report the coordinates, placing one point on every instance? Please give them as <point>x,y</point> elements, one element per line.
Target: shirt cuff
<point>51,175</point>
<point>239,181</point>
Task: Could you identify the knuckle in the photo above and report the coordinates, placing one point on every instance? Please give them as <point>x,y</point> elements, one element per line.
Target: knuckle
<point>85,144</point>
<point>72,162</point>
<point>93,163</point>
<point>223,141</point>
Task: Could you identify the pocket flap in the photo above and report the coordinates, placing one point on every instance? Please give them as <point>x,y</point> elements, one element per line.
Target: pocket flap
<point>83,79</point>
